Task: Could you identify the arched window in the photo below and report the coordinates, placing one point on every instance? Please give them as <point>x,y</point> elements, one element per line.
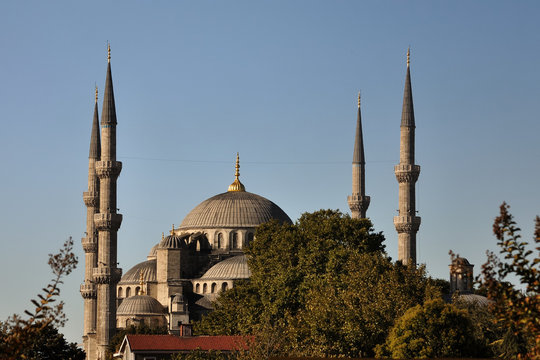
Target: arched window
<point>198,288</point>
<point>213,289</point>
<point>138,290</point>
<point>234,240</point>
<point>128,292</point>
<point>224,286</point>
<point>204,288</point>
<point>119,292</point>
<point>219,242</point>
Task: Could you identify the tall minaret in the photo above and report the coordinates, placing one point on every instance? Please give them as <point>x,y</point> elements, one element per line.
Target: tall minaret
<point>407,223</point>
<point>90,241</point>
<point>358,201</point>
<point>106,274</point>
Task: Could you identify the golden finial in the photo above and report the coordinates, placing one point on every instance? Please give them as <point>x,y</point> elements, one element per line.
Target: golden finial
<point>359,99</point>
<point>96,94</point>
<point>108,52</point>
<point>408,56</point>
<point>141,282</point>
<point>172,231</point>
<point>237,185</point>
<point>162,236</point>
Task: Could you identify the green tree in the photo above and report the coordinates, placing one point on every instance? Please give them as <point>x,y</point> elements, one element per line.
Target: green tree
<point>324,285</point>
<point>27,338</point>
<point>432,330</point>
<point>517,311</point>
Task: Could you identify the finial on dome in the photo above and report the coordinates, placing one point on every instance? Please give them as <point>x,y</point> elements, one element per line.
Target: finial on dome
<point>108,52</point>
<point>408,56</point>
<point>237,185</point>
<point>96,94</point>
<point>359,99</point>
<point>141,282</point>
<point>172,231</point>
<point>162,236</point>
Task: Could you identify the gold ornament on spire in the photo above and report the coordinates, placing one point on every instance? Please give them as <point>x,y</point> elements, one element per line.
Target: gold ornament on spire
<point>108,52</point>
<point>96,94</point>
<point>359,99</point>
<point>141,282</point>
<point>172,231</point>
<point>237,185</point>
<point>408,56</point>
<point>162,236</point>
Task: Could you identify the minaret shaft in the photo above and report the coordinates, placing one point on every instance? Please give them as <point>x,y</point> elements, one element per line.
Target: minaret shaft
<point>358,201</point>
<point>407,223</point>
<point>107,221</point>
<point>90,241</point>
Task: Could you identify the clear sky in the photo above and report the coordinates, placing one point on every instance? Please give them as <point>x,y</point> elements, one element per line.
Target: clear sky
<point>277,81</point>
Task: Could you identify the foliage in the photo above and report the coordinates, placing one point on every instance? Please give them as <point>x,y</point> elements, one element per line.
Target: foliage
<point>432,330</point>
<point>204,355</point>
<point>323,284</point>
<point>21,338</point>
<point>117,339</point>
<point>515,310</point>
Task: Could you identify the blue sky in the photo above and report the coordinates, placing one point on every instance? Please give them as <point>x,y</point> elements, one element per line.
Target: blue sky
<point>277,81</point>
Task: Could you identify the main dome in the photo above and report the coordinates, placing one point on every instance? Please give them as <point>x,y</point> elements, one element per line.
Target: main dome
<point>233,209</point>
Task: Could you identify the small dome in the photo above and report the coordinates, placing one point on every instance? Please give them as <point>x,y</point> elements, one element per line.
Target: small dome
<point>178,298</point>
<point>153,252</point>
<point>229,269</point>
<point>133,275</point>
<point>140,305</point>
<point>233,209</point>
<point>473,298</point>
<point>173,242</point>
<point>461,261</point>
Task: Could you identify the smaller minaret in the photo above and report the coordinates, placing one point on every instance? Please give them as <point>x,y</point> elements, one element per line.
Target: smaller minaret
<point>407,223</point>
<point>90,241</point>
<point>358,201</point>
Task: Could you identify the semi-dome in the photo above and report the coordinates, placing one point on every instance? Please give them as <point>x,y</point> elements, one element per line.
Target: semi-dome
<point>229,269</point>
<point>140,305</point>
<point>233,209</point>
<point>133,275</point>
<point>153,252</point>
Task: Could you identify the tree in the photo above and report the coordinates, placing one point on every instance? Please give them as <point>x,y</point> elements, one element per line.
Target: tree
<point>432,330</point>
<point>324,285</point>
<point>36,336</point>
<point>517,311</point>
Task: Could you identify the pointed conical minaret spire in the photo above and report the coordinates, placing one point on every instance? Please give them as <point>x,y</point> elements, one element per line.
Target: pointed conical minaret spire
<point>407,172</point>
<point>237,185</point>
<point>107,221</point>
<point>358,201</point>
<point>90,241</point>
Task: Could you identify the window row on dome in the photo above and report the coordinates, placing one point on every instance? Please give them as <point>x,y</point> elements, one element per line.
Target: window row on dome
<point>231,239</point>
<point>212,287</point>
<point>129,291</point>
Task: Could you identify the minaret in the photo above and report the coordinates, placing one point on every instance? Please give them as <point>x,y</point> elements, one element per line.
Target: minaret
<point>107,221</point>
<point>358,201</point>
<point>407,223</point>
<point>90,241</point>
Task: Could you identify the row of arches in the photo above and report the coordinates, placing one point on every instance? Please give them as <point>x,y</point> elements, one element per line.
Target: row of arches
<point>236,240</point>
<point>129,291</point>
<point>211,288</point>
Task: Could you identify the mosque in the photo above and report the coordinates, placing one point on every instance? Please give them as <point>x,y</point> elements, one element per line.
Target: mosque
<point>203,256</point>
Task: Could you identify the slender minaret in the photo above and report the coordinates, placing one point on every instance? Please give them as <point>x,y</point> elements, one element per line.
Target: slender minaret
<point>358,201</point>
<point>90,241</point>
<point>107,221</point>
<point>407,223</point>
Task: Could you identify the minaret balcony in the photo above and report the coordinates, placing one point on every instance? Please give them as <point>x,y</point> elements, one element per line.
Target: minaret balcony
<point>108,168</point>
<point>106,275</point>
<point>358,202</point>
<point>407,173</point>
<point>407,224</point>
<point>91,198</point>
<point>89,244</point>
<point>107,221</point>
<point>88,291</point>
